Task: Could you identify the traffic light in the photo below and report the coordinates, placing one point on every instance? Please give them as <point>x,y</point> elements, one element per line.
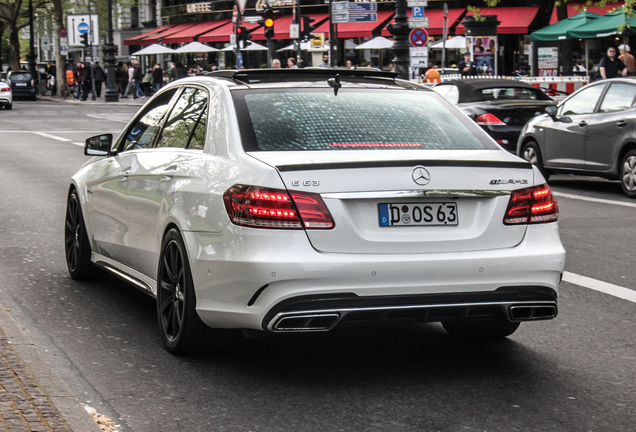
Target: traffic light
<point>269,15</point>
<point>243,34</point>
<point>84,38</point>
<point>307,28</point>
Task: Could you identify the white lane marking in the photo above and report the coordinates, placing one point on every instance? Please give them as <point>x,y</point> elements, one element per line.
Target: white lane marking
<point>604,287</point>
<point>55,137</point>
<point>106,118</point>
<point>596,200</point>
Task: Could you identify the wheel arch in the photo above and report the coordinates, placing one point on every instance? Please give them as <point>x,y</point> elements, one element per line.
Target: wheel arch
<point>626,148</point>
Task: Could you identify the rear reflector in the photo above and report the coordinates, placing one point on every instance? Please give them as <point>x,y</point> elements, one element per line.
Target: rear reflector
<point>259,207</point>
<point>488,119</point>
<point>532,205</point>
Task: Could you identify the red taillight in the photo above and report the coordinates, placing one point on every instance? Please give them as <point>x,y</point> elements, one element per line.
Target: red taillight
<point>488,119</point>
<point>5,89</point>
<point>531,205</point>
<point>259,207</point>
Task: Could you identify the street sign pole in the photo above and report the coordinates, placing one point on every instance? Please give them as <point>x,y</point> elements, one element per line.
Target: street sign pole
<point>332,36</point>
<point>90,47</point>
<point>444,36</point>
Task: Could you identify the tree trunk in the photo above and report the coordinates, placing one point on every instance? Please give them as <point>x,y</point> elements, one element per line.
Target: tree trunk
<point>14,45</point>
<point>565,47</point>
<point>60,60</point>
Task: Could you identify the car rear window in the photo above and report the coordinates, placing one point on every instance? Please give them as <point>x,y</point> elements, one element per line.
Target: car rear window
<point>20,77</point>
<point>503,93</point>
<point>311,119</point>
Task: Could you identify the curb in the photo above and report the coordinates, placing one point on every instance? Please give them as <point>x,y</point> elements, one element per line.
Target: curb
<point>93,103</point>
<point>66,403</point>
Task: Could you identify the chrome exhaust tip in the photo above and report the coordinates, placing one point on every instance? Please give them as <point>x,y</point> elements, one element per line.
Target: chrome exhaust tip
<point>532,312</point>
<point>306,322</point>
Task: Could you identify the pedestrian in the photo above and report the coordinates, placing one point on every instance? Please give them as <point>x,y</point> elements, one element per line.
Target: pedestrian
<point>291,63</point>
<point>610,66</point>
<point>628,59</point>
<point>181,71</point>
<point>467,67</point>
<point>350,64</point>
<point>138,77</point>
<point>80,75</point>
<point>124,80</point>
<point>157,77</point>
<point>276,64</point>
<point>174,74</point>
<point>146,83</point>
<point>325,61</point>
<point>98,75</point>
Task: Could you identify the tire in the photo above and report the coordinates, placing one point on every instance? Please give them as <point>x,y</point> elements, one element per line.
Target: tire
<point>497,328</point>
<point>10,106</point>
<point>628,174</point>
<point>532,154</point>
<point>76,244</point>
<point>182,330</point>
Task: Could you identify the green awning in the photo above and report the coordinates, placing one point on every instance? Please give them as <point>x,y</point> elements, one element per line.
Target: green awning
<point>559,31</point>
<point>606,25</point>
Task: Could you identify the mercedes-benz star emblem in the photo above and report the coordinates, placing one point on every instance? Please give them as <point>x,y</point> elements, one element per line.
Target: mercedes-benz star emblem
<point>421,176</point>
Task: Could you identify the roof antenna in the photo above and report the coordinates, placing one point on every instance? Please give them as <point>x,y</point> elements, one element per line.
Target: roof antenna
<point>335,83</point>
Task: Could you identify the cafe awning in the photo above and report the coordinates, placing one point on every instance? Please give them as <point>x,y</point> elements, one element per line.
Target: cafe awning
<point>158,37</point>
<point>606,25</point>
<point>135,39</point>
<point>359,29</point>
<point>435,20</point>
<point>514,20</point>
<point>559,30</point>
<point>189,34</point>
<point>575,8</point>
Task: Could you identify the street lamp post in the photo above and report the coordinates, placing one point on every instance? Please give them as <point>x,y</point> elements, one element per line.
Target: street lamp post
<point>401,45</point>
<point>111,94</point>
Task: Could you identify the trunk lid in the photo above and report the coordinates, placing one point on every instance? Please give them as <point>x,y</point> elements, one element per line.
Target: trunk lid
<point>463,203</point>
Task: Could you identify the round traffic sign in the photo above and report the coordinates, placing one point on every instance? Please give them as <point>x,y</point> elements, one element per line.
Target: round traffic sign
<point>63,33</point>
<point>83,28</point>
<point>418,37</point>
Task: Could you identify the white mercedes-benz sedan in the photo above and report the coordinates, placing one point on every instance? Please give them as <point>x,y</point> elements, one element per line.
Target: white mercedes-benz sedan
<point>299,200</point>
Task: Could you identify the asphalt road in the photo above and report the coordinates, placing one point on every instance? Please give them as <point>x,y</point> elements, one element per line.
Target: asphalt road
<point>575,373</point>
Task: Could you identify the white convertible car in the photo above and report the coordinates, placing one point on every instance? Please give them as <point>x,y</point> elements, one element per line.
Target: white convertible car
<point>298,200</point>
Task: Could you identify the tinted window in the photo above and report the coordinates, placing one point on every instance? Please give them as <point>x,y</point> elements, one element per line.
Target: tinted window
<point>141,133</point>
<point>307,119</point>
<point>20,77</point>
<point>583,102</point>
<point>619,97</point>
<point>185,118</point>
<point>500,93</point>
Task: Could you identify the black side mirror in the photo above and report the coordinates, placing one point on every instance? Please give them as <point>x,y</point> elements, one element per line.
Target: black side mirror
<point>98,145</point>
<point>551,111</point>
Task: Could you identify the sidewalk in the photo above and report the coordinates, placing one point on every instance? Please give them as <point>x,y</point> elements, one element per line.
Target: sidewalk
<point>32,396</point>
<point>98,101</point>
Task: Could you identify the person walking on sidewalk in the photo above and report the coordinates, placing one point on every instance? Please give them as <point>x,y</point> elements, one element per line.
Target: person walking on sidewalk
<point>80,77</point>
<point>138,76</point>
<point>157,77</point>
<point>98,76</point>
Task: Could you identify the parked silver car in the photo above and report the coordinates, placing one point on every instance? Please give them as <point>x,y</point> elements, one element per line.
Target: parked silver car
<point>592,132</point>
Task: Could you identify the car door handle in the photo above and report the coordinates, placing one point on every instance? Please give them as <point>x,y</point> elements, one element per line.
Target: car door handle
<point>168,173</point>
<point>123,176</point>
<point>621,123</point>
<point>583,123</point>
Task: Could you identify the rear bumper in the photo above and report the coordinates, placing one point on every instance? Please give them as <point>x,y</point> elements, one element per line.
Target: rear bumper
<point>23,93</point>
<point>246,278</point>
<point>322,313</point>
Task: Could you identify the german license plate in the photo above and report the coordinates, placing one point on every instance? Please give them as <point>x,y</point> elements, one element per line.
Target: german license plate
<point>21,84</point>
<point>418,214</point>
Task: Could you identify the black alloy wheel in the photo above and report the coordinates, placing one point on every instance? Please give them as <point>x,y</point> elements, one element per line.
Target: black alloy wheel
<point>76,244</point>
<point>182,330</point>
